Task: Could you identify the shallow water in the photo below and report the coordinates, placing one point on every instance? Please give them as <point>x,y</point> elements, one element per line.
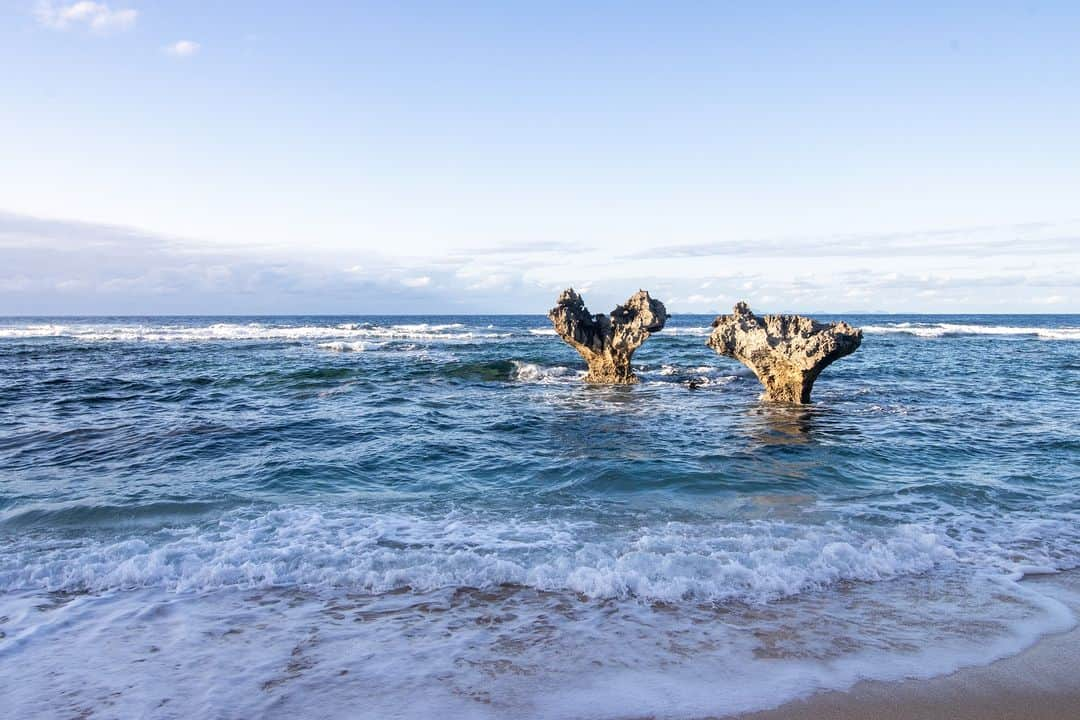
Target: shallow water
<point>380,517</point>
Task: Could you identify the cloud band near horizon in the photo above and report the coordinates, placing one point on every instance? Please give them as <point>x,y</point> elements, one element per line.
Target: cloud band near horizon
<point>67,267</point>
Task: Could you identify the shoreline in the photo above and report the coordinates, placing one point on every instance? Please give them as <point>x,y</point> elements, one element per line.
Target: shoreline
<point>1039,683</point>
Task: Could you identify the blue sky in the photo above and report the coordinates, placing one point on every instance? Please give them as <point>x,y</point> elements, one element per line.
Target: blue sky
<point>250,157</point>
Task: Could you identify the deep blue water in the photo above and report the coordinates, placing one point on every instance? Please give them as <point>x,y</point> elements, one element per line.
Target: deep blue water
<point>380,516</point>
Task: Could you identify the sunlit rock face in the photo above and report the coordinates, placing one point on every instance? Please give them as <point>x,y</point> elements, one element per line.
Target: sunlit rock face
<point>786,352</point>
<point>608,342</point>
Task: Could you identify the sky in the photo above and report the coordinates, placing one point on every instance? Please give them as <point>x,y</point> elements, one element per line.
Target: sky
<point>240,157</point>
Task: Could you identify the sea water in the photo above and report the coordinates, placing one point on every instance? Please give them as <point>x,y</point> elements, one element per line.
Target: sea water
<point>376,517</point>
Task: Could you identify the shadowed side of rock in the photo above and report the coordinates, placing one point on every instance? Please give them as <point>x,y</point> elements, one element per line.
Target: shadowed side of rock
<point>786,352</point>
<point>607,342</point>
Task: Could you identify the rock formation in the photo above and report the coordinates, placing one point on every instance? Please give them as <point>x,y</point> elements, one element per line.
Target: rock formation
<point>786,352</point>
<point>607,342</point>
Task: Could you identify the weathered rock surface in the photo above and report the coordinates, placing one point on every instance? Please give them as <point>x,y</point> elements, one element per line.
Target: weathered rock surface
<point>607,342</point>
<point>786,352</point>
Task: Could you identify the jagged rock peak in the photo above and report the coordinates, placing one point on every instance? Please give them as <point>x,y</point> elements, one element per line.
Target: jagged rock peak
<point>607,342</point>
<point>786,352</point>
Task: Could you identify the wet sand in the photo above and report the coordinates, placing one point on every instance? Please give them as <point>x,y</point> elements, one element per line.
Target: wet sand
<point>1041,683</point>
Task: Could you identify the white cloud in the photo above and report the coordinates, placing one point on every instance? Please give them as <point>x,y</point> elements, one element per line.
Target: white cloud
<point>15,284</point>
<point>1050,300</point>
<point>61,267</point>
<point>982,242</point>
<point>57,266</point>
<point>182,48</point>
<point>698,299</point>
<point>99,17</point>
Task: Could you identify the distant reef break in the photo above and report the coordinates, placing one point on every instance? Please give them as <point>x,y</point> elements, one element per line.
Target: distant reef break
<point>786,352</point>
<point>607,342</point>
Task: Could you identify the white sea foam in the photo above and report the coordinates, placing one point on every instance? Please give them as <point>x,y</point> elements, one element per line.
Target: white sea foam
<point>937,330</point>
<point>342,346</point>
<point>533,373</point>
<point>125,332</point>
<point>283,604</point>
<point>101,332</point>
<point>695,331</point>
<point>752,561</point>
<point>272,655</point>
<point>418,327</point>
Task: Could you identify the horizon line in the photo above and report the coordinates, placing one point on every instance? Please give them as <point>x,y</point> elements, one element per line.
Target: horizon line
<point>538,314</point>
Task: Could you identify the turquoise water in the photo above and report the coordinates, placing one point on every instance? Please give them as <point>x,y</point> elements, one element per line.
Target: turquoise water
<point>389,516</point>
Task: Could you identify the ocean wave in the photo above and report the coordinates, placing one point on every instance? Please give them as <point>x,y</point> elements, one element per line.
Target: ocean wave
<point>534,373</point>
<point>343,346</point>
<point>751,562</point>
<point>415,328</point>
<point>695,331</point>
<point>219,332</point>
<point>937,330</point>
<point>520,651</point>
<point>87,516</point>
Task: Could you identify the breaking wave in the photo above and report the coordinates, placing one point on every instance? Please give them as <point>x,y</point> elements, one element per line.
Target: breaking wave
<point>937,330</point>
<point>342,346</point>
<point>245,332</point>
<point>750,562</point>
<point>534,373</point>
<point>695,331</point>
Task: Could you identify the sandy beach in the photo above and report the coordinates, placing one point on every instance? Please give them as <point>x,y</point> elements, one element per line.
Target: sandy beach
<point>1041,683</point>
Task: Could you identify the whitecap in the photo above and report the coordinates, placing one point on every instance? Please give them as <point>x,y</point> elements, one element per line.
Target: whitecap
<point>534,373</point>
<point>752,562</point>
<point>342,346</point>
<point>695,331</point>
<point>938,330</point>
<point>255,331</point>
<point>468,605</point>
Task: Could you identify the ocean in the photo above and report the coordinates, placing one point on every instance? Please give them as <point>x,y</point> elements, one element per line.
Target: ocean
<point>403,517</point>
